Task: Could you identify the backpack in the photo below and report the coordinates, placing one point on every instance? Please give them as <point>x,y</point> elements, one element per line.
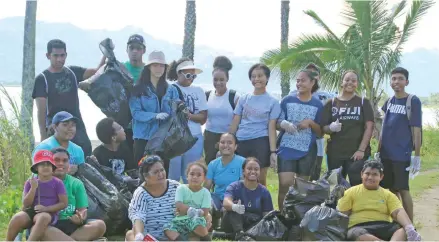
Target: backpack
<point>408,110</point>
<point>47,90</point>
<point>180,93</point>
<point>232,94</point>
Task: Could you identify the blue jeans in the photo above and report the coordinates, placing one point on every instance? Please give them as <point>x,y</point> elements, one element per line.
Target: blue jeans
<point>178,165</point>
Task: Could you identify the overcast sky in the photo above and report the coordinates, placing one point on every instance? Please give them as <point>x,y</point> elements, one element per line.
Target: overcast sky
<point>243,27</point>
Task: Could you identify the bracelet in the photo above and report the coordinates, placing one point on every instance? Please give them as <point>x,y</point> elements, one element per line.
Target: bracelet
<point>272,152</point>
<point>361,150</point>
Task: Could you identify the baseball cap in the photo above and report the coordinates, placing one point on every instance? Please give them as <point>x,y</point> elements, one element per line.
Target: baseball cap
<point>63,116</point>
<point>313,66</point>
<point>40,157</point>
<point>136,38</point>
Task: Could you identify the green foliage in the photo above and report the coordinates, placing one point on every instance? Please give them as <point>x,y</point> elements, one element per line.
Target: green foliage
<point>372,45</point>
<point>15,150</point>
<point>10,203</point>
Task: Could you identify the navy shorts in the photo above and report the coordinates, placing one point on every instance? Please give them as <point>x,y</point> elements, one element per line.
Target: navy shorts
<point>303,166</point>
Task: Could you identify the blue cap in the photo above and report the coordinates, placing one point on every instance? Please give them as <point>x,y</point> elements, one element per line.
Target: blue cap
<point>63,116</point>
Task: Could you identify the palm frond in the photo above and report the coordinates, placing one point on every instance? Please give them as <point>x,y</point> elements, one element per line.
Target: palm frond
<point>320,22</point>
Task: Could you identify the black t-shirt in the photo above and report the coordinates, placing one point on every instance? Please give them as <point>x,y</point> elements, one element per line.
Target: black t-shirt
<point>120,161</point>
<point>61,90</point>
<point>353,115</point>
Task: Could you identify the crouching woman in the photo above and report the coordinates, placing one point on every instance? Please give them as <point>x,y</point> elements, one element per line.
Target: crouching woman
<point>246,201</point>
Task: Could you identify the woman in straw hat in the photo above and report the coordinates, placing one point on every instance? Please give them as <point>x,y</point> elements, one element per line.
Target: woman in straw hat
<point>149,103</point>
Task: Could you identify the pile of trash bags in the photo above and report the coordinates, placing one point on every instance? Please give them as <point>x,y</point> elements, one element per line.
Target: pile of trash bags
<point>308,213</point>
<point>109,195</point>
<point>173,138</point>
<point>111,90</point>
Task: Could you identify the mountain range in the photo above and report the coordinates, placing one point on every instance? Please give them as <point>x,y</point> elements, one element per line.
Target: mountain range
<point>83,50</point>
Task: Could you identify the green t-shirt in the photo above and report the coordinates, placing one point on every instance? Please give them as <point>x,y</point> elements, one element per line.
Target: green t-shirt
<point>200,199</point>
<point>134,70</point>
<point>76,195</point>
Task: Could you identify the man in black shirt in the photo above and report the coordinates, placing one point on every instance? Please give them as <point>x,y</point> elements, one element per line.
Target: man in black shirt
<point>56,89</point>
<point>113,152</point>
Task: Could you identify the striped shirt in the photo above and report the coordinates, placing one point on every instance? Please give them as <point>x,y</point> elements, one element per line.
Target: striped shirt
<point>154,212</point>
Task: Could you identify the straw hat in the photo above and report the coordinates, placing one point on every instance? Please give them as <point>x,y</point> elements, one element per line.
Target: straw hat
<point>157,57</point>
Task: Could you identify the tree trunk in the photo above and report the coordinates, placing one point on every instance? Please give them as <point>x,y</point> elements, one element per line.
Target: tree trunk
<point>28,77</point>
<point>285,12</point>
<point>190,24</point>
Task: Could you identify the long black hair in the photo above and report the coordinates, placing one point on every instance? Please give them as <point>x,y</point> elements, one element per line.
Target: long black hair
<point>145,81</point>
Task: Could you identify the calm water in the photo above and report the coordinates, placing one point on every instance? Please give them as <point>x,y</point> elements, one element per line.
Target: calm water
<point>91,114</point>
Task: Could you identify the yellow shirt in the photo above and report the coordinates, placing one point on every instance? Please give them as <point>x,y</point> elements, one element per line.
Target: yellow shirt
<point>368,205</point>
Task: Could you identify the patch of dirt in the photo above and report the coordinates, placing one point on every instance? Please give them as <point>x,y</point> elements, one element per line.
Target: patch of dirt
<point>426,210</point>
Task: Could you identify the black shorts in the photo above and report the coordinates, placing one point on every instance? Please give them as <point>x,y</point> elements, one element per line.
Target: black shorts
<point>304,166</point>
<point>395,176</point>
<point>31,213</point>
<point>211,141</point>
<point>66,226</point>
<point>380,229</point>
<point>258,148</point>
<point>349,167</point>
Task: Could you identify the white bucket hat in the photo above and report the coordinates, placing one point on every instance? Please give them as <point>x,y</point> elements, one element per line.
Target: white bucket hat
<point>156,57</point>
<point>188,65</point>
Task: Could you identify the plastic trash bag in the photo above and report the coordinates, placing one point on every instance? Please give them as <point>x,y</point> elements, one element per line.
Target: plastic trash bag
<point>338,185</point>
<point>125,184</point>
<point>173,138</point>
<point>111,90</point>
<point>322,223</point>
<point>270,228</point>
<point>304,195</point>
<point>113,204</point>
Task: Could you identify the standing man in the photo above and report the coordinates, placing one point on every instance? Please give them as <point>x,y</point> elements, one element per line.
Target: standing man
<point>322,96</point>
<point>56,89</point>
<point>135,49</point>
<point>401,134</point>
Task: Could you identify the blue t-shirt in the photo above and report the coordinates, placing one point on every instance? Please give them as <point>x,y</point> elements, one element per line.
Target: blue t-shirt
<point>396,140</point>
<point>255,201</point>
<point>256,111</point>
<point>222,176</point>
<point>75,151</point>
<point>295,146</point>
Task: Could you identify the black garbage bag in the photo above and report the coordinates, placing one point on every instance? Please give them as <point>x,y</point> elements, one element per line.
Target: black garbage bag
<point>113,204</point>
<point>173,138</point>
<point>338,185</point>
<point>94,211</point>
<point>323,223</point>
<point>303,196</point>
<point>270,228</point>
<point>111,90</point>
<point>125,184</point>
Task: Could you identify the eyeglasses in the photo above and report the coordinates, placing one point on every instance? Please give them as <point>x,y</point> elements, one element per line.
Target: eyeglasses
<point>189,75</point>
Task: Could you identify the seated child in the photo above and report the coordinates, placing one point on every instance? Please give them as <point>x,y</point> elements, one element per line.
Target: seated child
<point>193,203</point>
<point>375,213</point>
<point>44,197</point>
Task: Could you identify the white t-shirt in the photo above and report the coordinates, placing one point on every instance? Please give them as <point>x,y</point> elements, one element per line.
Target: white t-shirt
<point>220,112</point>
<point>195,100</point>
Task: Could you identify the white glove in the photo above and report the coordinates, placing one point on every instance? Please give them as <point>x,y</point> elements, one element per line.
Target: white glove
<point>377,157</point>
<point>415,166</point>
<point>412,234</point>
<point>335,126</point>
<point>288,127</point>
<point>238,208</point>
<point>194,212</point>
<point>139,237</point>
<point>162,116</point>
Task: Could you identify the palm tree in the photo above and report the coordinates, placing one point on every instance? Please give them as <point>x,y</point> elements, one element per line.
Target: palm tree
<point>190,24</point>
<point>284,29</point>
<point>371,45</point>
<point>28,70</point>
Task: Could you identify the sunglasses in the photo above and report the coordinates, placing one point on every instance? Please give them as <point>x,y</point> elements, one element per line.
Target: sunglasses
<point>189,75</point>
<point>149,159</point>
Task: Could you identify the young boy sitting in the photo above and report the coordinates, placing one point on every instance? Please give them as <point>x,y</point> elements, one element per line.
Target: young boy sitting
<point>375,213</point>
<point>44,197</point>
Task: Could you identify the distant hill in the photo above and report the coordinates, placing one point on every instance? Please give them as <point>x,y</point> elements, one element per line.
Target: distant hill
<point>82,48</point>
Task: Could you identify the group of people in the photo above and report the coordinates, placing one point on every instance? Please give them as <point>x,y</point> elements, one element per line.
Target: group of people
<point>244,135</point>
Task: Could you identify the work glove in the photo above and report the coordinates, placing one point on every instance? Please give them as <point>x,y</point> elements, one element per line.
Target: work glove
<point>415,166</point>
<point>288,127</point>
<point>162,116</point>
<point>194,212</point>
<point>335,126</point>
<point>412,234</point>
<point>238,208</point>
